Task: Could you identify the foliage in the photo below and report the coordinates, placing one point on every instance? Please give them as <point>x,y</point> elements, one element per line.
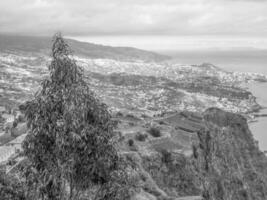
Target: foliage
<point>122,184</point>
<point>166,156</point>
<point>162,122</point>
<point>70,144</point>
<point>155,132</point>
<point>10,187</point>
<point>130,142</point>
<point>119,114</point>
<point>141,136</point>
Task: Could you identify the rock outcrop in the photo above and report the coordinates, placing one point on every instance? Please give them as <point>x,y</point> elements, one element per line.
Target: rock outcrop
<point>228,162</point>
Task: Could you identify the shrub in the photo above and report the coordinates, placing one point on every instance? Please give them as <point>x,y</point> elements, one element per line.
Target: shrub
<point>141,136</point>
<point>130,116</point>
<point>144,116</point>
<point>166,156</point>
<point>131,124</point>
<point>130,142</point>
<point>162,122</point>
<point>155,132</point>
<point>15,123</point>
<point>2,120</point>
<point>119,114</point>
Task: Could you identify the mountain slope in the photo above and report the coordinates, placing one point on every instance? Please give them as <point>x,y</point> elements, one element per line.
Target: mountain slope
<point>212,154</point>
<point>89,50</point>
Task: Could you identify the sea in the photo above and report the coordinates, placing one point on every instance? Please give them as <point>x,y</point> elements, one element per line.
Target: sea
<point>236,60</point>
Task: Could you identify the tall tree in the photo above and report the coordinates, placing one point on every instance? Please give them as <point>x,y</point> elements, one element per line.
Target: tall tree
<point>70,144</point>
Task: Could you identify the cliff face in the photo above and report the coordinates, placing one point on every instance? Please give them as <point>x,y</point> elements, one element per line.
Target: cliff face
<point>228,162</point>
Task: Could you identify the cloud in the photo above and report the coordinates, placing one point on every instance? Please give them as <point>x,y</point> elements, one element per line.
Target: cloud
<point>134,17</point>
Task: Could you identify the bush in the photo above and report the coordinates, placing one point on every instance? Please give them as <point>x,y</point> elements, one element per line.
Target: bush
<point>162,122</point>
<point>15,123</point>
<point>155,132</point>
<point>130,142</point>
<point>166,156</point>
<point>141,136</point>
<point>130,116</point>
<point>131,124</point>
<point>119,114</point>
<point>144,116</point>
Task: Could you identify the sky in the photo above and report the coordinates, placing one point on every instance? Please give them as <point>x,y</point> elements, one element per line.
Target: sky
<point>149,24</point>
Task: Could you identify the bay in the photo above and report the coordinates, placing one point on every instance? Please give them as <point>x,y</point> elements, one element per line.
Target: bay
<point>254,61</point>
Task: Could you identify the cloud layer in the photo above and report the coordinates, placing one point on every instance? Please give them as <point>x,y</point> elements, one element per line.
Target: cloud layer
<point>134,17</point>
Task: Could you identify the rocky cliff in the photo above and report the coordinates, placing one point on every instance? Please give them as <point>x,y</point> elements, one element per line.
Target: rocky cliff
<point>225,163</point>
<point>228,161</point>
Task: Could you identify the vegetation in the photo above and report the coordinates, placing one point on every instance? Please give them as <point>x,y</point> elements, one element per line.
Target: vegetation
<point>71,154</point>
<point>70,145</point>
<point>141,136</point>
<point>130,142</point>
<point>155,132</point>
<point>119,114</point>
<point>166,156</point>
<point>162,122</point>
<point>10,187</point>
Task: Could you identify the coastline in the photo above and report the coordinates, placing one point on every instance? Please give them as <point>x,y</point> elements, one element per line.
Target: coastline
<point>258,124</point>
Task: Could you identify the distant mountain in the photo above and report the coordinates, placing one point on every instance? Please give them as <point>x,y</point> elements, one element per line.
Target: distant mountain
<point>89,50</point>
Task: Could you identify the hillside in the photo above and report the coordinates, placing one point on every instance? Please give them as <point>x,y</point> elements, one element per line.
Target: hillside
<point>176,146</point>
<point>32,44</point>
<point>211,155</point>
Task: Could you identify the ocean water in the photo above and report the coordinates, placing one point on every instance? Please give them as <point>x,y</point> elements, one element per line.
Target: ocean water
<point>259,128</point>
<point>242,61</point>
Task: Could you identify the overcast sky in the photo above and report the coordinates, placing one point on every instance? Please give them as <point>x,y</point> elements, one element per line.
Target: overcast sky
<point>135,21</point>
